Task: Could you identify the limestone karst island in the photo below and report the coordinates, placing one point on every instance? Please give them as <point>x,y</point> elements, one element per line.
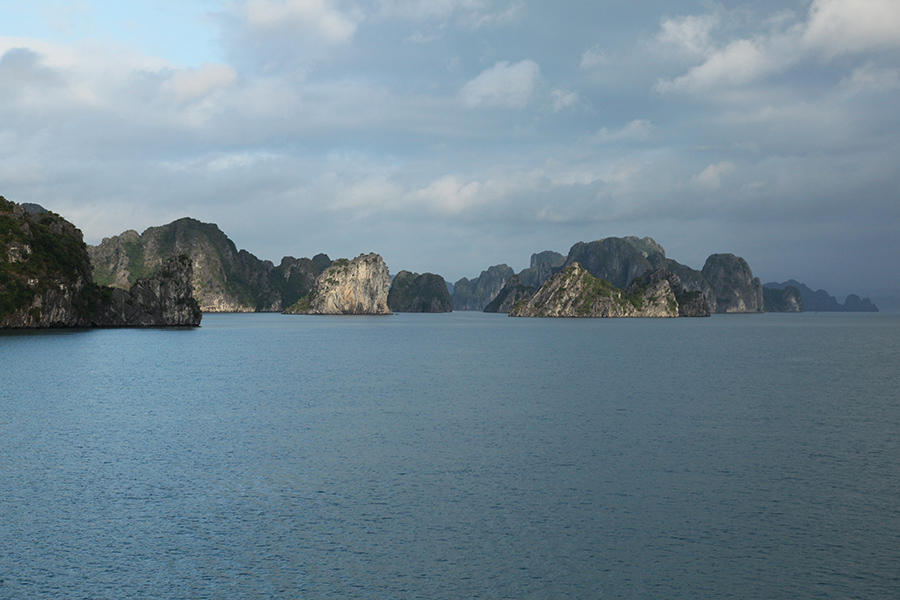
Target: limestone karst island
<point>169,275</point>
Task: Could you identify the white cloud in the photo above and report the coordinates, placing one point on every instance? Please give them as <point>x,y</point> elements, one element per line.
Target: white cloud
<point>563,99</point>
<point>690,35</point>
<point>449,194</point>
<point>593,57</point>
<point>639,129</point>
<point>830,28</point>
<point>847,26</point>
<point>711,177</point>
<point>871,78</point>
<point>191,84</point>
<point>742,61</point>
<point>302,17</point>
<point>506,84</point>
<point>470,13</point>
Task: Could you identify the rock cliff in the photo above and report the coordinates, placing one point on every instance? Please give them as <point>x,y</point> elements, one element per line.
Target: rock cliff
<point>691,303</point>
<point>543,266</point>
<point>692,280</point>
<point>45,280</point>
<point>411,292</point>
<point>477,293</point>
<point>225,279</point>
<point>348,287</point>
<point>618,260</point>
<point>164,298</point>
<point>512,293</point>
<point>782,300</point>
<point>574,292</point>
<point>736,289</point>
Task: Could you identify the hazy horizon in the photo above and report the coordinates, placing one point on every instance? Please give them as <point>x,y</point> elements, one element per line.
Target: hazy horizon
<point>451,135</point>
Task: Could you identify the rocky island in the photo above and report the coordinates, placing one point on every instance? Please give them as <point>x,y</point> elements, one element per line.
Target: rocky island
<point>45,280</point>
<point>348,287</point>
<point>411,292</point>
<point>224,279</point>
<point>575,292</point>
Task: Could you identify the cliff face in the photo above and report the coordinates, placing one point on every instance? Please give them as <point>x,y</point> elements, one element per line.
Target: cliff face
<point>692,280</point>
<point>782,300</point>
<point>411,292</point>
<point>165,298</point>
<point>348,287</point>
<point>543,266</point>
<point>735,287</point>
<point>477,293</point>
<point>574,292</point>
<point>618,260</point>
<point>45,280</point>
<point>224,278</point>
<point>690,303</point>
<point>511,294</point>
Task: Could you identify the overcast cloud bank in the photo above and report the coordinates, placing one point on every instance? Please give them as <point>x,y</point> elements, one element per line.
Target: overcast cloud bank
<point>450,135</point>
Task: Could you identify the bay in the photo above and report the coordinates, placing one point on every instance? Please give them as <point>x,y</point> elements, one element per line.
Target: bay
<point>464,455</point>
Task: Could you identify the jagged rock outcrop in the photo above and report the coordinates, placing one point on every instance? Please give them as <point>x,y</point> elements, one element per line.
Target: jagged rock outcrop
<point>822,301</point>
<point>164,298</point>
<point>574,292</point>
<point>45,280</point>
<point>512,293</point>
<point>411,292</point>
<point>690,303</point>
<point>225,279</point>
<point>296,277</point>
<point>692,280</point>
<point>543,266</point>
<point>618,260</point>
<point>735,287</point>
<point>348,287</point>
<point>477,293</point>
<point>782,300</point>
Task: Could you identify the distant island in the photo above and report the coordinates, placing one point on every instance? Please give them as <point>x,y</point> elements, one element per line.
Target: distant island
<point>169,274</point>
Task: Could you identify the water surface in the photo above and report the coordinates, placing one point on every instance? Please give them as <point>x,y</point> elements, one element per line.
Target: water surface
<point>454,456</point>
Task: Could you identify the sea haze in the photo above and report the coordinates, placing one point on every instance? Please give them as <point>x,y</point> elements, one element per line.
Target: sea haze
<point>454,456</point>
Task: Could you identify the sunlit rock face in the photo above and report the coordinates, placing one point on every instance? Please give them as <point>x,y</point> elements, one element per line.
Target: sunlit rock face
<point>348,287</point>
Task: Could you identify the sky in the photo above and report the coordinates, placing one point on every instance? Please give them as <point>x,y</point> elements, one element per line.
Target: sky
<point>450,135</point>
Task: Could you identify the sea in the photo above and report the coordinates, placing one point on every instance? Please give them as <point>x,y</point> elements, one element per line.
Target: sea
<point>461,455</point>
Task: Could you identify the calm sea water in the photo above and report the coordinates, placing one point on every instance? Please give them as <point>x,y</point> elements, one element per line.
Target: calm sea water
<point>454,456</point>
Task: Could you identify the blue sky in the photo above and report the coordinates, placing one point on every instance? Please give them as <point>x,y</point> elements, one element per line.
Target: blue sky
<point>450,135</point>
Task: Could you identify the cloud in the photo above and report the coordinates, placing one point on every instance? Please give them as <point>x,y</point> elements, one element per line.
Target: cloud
<point>690,35</point>
<point>301,17</point>
<point>711,177</point>
<point>872,78</point>
<point>563,99</point>
<point>830,28</point>
<point>740,62</point>
<point>473,14</point>
<point>850,26</point>
<point>449,194</point>
<point>191,84</point>
<point>593,57</point>
<point>506,85</point>
<point>639,129</point>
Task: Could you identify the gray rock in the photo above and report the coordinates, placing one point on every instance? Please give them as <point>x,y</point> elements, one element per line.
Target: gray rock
<point>574,292</point>
<point>348,287</point>
<point>411,292</point>
<point>735,287</point>
<point>477,293</point>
